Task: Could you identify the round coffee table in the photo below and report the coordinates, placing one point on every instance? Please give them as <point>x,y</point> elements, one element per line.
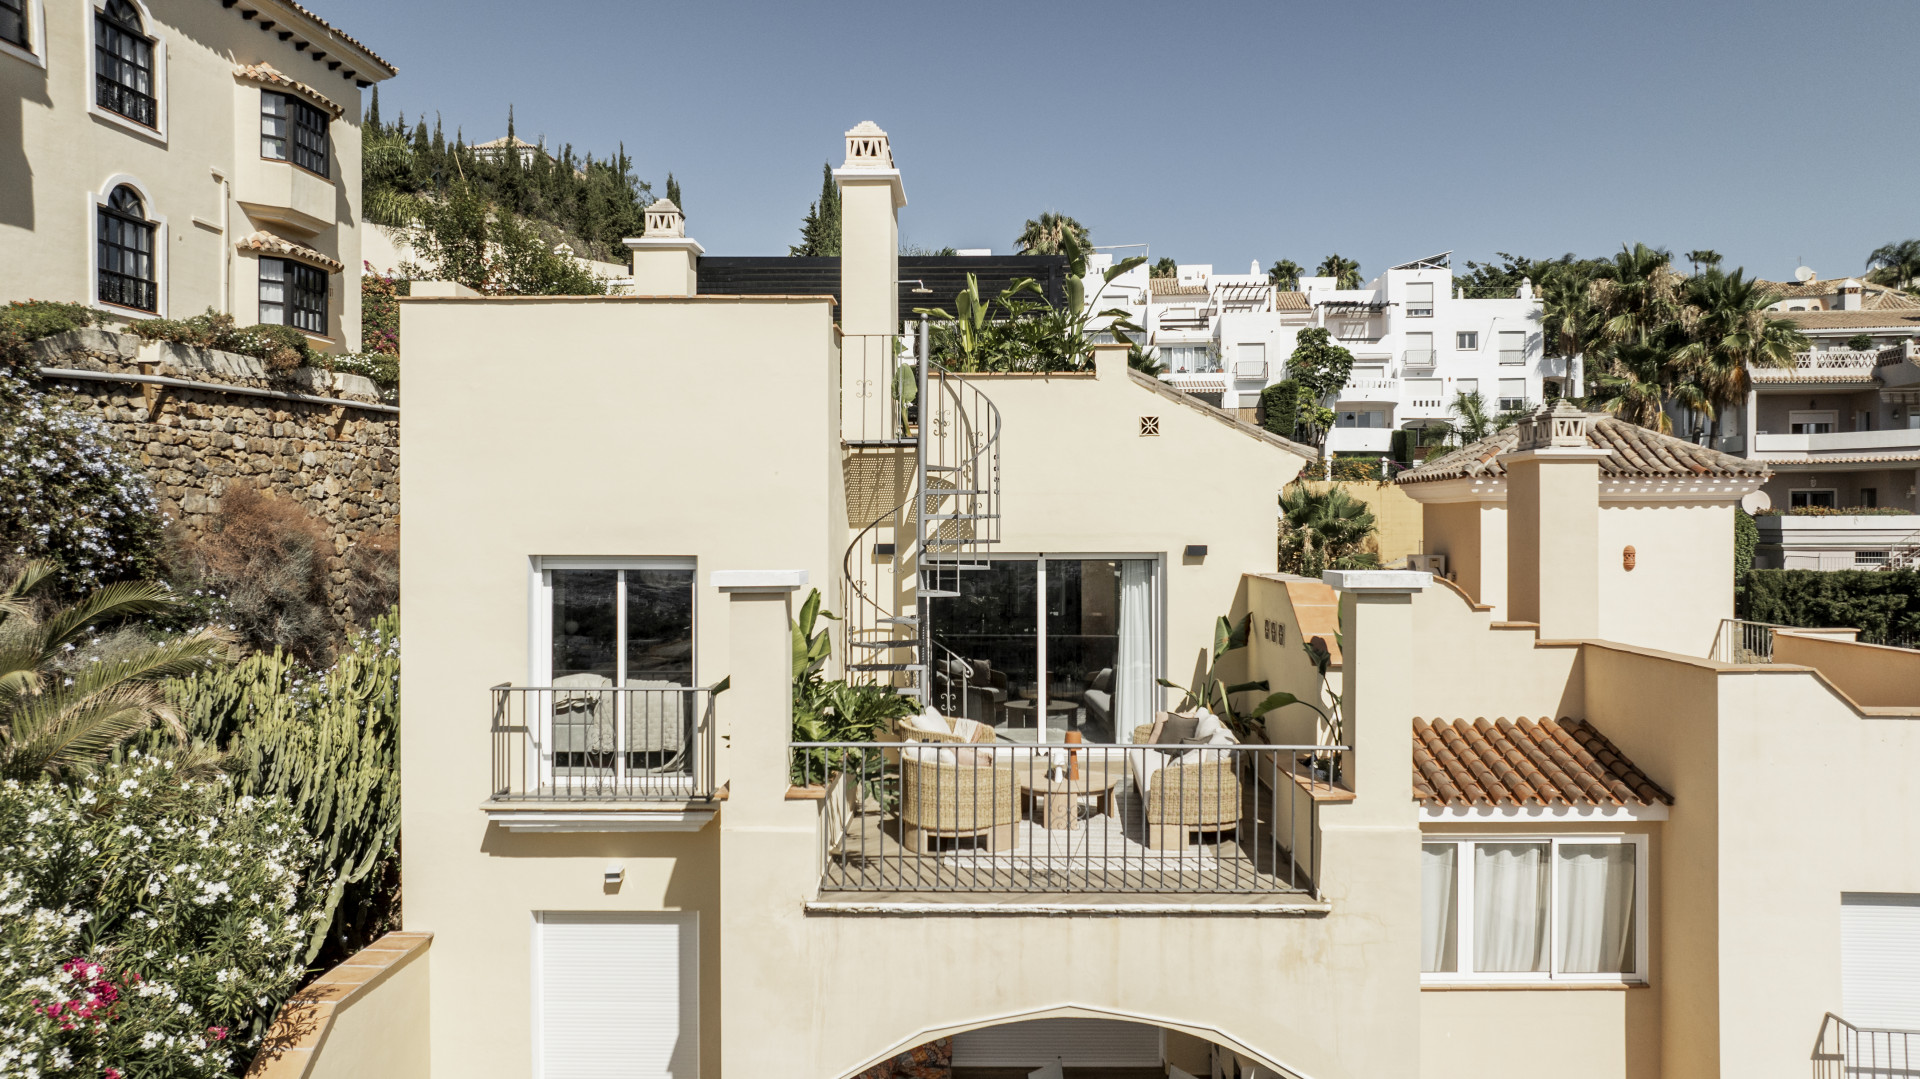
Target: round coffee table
<point>1056,802</point>
<point>1021,711</point>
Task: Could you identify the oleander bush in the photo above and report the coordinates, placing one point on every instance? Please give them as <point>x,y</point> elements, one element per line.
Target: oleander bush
<point>152,919</point>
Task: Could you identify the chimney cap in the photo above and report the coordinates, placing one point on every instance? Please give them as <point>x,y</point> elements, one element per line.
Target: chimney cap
<point>664,219</point>
<point>1556,426</point>
<point>868,147</point>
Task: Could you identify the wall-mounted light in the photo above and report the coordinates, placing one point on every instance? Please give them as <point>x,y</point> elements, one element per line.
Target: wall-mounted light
<point>1196,550</point>
<point>883,549</point>
<point>919,286</point>
<point>1628,556</point>
<point>615,873</point>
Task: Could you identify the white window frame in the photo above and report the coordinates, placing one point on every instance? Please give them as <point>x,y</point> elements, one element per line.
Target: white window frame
<point>97,199</point>
<point>540,628</point>
<point>1466,340</point>
<point>1463,911</point>
<point>36,51</point>
<point>149,26</point>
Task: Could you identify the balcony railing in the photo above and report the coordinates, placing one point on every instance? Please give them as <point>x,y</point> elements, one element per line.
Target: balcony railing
<point>1844,1051</point>
<point>1078,817</point>
<point>1888,438</point>
<point>1513,357</point>
<point>1837,360</point>
<point>1423,310</point>
<point>1418,357</point>
<point>601,743</point>
<point>1740,641</point>
<point>1250,369</point>
<point>878,381</point>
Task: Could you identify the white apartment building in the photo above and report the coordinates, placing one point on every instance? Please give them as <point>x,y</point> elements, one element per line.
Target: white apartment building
<point>171,156</point>
<point>1416,342</point>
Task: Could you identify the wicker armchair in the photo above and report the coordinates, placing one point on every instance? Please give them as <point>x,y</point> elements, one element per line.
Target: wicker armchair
<point>904,733</point>
<point>943,801</point>
<point>1198,791</point>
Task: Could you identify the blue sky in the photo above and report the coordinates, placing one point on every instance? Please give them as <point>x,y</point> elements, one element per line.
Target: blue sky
<point>1223,133</point>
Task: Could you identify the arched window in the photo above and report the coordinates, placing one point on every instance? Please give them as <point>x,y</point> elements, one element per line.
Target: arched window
<point>123,63</point>
<point>125,237</point>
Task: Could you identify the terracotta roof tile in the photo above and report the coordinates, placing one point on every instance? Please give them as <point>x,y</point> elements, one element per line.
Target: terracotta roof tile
<point>1637,451</point>
<point>1171,286</point>
<point>267,243</point>
<point>1874,296</point>
<point>344,36</point>
<point>1501,762</point>
<point>1291,301</point>
<point>273,76</point>
<point>1903,320</point>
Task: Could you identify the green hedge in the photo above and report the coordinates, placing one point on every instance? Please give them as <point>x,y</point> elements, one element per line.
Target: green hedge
<point>1882,604</point>
<point>1280,406</point>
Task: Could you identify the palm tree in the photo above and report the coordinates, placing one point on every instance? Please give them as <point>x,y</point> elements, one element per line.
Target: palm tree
<point>1344,271</point>
<point>1475,420</point>
<point>1043,236</point>
<point>1637,294</point>
<point>1732,335</point>
<point>1704,256</point>
<point>1632,387</point>
<point>1323,530</point>
<point>1895,264</point>
<point>54,721</point>
<point>1286,274</point>
<point>1569,322</point>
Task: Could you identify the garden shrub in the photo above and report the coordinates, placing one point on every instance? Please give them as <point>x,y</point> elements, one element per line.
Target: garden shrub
<point>69,495</point>
<point>1882,604</point>
<point>263,564</point>
<point>1361,468</point>
<point>151,922</point>
<point>328,741</point>
<point>1280,406</point>
<point>1746,536</point>
<point>373,577</point>
<point>380,312</point>
<point>282,348</point>
<point>30,320</point>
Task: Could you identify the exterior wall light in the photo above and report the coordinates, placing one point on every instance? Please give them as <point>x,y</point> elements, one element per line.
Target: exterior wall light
<point>1627,558</point>
<point>1196,550</point>
<point>615,873</point>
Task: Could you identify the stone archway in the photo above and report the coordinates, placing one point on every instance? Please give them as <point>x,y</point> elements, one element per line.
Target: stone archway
<point>929,1054</point>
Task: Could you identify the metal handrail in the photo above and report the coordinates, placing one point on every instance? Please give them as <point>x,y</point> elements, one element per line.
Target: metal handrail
<point>602,743</point>
<point>1740,641</point>
<point>1844,1051</point>
<point>1068,817</point>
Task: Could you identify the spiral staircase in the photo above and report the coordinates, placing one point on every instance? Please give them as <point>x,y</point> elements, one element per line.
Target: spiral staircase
<point>938,448</point>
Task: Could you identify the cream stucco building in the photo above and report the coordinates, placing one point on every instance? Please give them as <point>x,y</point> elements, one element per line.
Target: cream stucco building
<point>1542,835</point>
<point>167,157</point>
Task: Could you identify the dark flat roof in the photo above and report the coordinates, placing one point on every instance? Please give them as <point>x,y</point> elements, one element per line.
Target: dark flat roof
<point>946,275</point>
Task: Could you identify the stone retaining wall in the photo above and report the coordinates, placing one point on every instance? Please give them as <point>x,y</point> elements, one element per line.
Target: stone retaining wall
<point>340,462</point>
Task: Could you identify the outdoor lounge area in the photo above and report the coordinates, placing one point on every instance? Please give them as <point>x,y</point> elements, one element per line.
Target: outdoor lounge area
<point>952,805</point>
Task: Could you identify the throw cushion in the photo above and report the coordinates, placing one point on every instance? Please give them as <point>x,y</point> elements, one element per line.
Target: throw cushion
<point>930,721</point>
<point>1204,724</point>
<point>968,729</point>
<point>1177,728</point>
<point>1102,681</point>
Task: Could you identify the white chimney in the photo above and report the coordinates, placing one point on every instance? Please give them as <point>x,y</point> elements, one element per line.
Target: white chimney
<point>664,261</point>
<point>1851,296</point>
<point>871,196</point>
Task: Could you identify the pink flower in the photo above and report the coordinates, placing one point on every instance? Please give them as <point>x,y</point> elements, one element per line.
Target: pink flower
<point>112,1073</point>
<point>219,1033</point>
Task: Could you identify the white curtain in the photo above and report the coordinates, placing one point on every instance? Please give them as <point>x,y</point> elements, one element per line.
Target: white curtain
<point>1510,907</point>
<point>1596,908</point>
<point>1439,906</point>
<point>1133,669</point>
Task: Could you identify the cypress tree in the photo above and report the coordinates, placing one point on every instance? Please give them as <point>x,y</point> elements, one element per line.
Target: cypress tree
<point>820,231</point>
<point>373,111</point>
<point>673,193</point>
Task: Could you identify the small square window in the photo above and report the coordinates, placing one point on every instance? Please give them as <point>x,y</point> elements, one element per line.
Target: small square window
<point>1466,340</point>
<point>1149,426</point>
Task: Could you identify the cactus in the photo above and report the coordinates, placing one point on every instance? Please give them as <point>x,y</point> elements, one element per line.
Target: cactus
<point>329,742</point>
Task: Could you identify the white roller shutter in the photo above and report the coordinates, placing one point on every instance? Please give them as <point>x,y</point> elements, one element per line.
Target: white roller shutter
<point>616,996</point>
<point>1075,1043</point>
<point>1880,960</point>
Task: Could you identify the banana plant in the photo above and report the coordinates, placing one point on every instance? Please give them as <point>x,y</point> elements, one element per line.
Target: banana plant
<point>1215,694</point>
<point>1333,717</point>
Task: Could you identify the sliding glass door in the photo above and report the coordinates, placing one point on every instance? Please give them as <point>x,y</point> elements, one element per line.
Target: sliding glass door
<point>1040,645</point>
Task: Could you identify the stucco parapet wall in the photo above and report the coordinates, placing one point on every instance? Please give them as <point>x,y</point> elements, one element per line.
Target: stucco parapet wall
<point>1612,489</point>
<point>1753,669</point>
<point>299,1031</point>
<point>1187,400</point>
<point>126,354</point>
